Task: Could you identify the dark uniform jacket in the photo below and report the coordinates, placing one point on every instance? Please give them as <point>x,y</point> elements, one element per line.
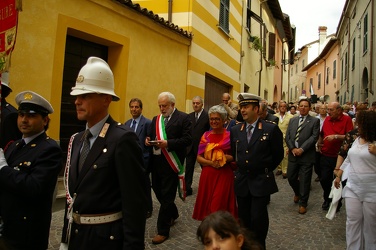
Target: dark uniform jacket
<point>257,159</point>
<point>111,180</point>
<point>8,130</point>
<point>272,118</point>
<point>27,187</point>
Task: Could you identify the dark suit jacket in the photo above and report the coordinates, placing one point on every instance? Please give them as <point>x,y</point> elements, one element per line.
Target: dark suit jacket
<point>141,132</point>
<point>178,132</point>
<point>27,186</point>
<point>111,180</point>
<point>257,159</point>
<point>198,129</point>
<point>308,137</point>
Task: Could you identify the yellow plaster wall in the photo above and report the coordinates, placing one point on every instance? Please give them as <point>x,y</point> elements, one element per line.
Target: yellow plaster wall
<point>146,57</point>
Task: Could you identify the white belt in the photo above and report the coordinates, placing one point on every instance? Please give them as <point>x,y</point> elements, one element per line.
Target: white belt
<point>96,218</point>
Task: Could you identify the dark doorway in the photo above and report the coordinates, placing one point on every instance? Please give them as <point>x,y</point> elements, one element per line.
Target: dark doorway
<point>214,88</point>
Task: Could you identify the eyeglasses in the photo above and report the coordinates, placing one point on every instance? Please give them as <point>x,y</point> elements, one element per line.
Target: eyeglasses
<point>215,119</point>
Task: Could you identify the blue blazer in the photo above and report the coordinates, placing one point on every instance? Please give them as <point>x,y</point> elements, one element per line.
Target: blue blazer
<point>141,132</point>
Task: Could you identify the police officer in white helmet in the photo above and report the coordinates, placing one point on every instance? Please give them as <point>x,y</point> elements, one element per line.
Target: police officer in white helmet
<point>106,196</point>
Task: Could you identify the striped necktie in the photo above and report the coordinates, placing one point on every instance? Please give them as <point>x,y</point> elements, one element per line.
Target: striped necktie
<point>299,128</point>
<point>166,120</point>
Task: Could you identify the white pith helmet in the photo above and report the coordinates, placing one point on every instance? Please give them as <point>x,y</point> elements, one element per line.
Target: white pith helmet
<point>95,77</point>
<point>5,79</point>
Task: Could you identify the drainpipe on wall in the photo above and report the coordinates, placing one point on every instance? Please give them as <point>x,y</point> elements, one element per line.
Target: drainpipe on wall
<point>371,49</point>
<point>324,80</point>
<point>170,11</point>
<point>262,52</point>
<point>282,69</point>
<point>348,56</point>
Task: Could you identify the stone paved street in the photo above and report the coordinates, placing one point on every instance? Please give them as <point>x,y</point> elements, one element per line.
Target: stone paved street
<point>288,229</point>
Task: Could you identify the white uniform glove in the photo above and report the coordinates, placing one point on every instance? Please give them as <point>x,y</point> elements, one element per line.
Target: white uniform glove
<point>3,162</point>
<point>63,246</point>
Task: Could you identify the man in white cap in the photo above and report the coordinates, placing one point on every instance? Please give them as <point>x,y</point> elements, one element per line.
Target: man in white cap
<point>28,175</point>
<point>257,147</point>
<point>105,185</point>
<point>8,128</point>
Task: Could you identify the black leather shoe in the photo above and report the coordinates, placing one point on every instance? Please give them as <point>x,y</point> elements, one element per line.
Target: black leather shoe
<point>325,206</point>
<point>189,192</point>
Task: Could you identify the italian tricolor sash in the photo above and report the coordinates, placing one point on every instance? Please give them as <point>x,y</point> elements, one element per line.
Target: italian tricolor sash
<point>171,157</point>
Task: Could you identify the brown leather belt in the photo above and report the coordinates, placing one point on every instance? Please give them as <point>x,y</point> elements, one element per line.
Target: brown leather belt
<point>92,219</point>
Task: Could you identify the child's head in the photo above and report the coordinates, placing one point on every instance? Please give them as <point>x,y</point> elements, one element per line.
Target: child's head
<point>220,230</point>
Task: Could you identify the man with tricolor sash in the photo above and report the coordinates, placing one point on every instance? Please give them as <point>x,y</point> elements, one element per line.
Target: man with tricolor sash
<point>169,135</point>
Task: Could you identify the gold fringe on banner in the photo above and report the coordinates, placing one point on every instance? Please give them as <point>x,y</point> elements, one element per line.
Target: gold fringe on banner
<point>19,5</point>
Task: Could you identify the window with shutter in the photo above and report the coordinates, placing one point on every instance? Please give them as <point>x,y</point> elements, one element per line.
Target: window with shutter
<point>224,13</point>
<point>271,46</point>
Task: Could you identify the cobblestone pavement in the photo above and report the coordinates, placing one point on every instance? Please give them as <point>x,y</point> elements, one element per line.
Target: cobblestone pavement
<point>287,230</point>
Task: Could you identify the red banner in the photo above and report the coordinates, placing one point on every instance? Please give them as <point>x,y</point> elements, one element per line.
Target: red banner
<point>8,30</point>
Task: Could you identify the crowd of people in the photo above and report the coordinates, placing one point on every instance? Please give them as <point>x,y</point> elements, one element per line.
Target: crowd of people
<point>112,168</point>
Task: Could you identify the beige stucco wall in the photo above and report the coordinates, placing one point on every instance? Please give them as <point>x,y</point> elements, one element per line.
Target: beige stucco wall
<point>146,57</point>
<point>327,88</point>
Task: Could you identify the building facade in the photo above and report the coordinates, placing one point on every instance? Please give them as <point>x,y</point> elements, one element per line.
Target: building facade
<point>55,38</point>
<point>310,68</point>
<point>355,33</point>
<point>237,46</point>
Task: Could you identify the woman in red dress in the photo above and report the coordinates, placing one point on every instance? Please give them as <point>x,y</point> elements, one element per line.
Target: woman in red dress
<point>216,186</point>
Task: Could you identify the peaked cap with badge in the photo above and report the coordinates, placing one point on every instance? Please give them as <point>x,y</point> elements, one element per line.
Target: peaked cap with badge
<point>247,98</point>
<point>30,102</point>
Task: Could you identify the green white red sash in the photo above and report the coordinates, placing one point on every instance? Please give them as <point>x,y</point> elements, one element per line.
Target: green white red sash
<point>171,157</point>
